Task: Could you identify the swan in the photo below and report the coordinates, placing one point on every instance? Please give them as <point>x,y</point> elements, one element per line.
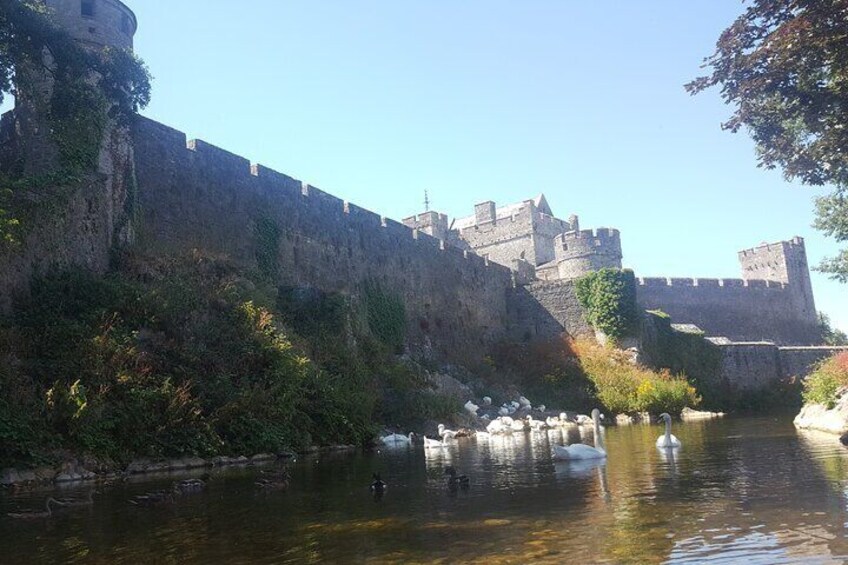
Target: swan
<point>33,514</point>
<point>565,421</point>
<point>534,425</point>
<point>583,420</point>
<point>471,408</point>
<point>482,435</point>
<point>445,433</point>
<point>667,440</point>
<point>518,425</point>
<point>433,443</point>
<point>580,450</point>
<point>495,427</point>
<point>397,439</point>
<point>553,421</point>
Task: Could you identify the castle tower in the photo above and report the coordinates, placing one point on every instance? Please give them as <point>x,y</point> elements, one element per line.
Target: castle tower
<point>431,223</point>
<point>785,262</point>
<point>94,24</point>
<point>582,252</point>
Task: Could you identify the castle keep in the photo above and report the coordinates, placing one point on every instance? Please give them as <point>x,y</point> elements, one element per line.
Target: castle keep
<point>500,273</point>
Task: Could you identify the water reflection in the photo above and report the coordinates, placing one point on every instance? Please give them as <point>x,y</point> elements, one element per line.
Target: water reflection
<point>740,490</point>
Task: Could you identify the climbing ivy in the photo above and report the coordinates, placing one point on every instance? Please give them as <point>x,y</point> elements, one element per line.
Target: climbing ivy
<point>609,298</point>
<point>267,235</point>
<point>386,315</point>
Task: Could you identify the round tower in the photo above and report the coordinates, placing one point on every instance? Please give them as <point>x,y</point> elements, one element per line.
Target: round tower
<point>582,252</point>
<point>95,23</point>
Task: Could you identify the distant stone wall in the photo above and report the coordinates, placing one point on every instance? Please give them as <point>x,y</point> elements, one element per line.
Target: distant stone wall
<point>734,308</point>
<point>753,366</point>
<point>194,195</point>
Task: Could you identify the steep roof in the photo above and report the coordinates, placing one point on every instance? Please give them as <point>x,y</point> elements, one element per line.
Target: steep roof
<point>505,212</point>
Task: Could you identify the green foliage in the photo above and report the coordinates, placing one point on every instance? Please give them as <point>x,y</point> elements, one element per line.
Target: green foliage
<point>267,236</point>
<point>829,377</point>
<point>783,66</point>
<point>625,387</point>
<point>686,353</point>
<point>89,87</point>
<point>386,315</point>
<point>830,335</point>
<point>609,298</point>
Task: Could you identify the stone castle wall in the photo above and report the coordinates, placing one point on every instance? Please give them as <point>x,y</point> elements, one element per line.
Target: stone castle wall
<point>503,240</point>
<point>734,308</point>
<point>755,366</point>
<point>194,195</point>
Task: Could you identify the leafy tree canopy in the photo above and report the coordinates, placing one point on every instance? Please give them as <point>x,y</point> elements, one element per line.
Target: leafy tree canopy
<point>783,66</point>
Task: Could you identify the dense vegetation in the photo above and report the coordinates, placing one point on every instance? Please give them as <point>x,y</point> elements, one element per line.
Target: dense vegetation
<point>609,298</point>
<point>188,357</point>
<point>90,88</point>
<point>783,66</point>
<point>827,381</point>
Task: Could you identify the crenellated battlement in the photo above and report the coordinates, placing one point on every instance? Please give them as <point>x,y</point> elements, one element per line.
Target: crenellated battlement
<point>192,155</point>
<point>581,252</point>
<point>655,282</point>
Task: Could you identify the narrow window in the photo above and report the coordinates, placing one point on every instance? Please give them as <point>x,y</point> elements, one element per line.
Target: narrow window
<point>87,8</point>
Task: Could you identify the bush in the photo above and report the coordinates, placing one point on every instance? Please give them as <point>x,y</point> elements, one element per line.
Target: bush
<point>624,387</point>
<point>823,385</point>
<point>609,298</point>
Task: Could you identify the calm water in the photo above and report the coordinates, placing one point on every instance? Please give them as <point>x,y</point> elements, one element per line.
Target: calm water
<point>752,490</point>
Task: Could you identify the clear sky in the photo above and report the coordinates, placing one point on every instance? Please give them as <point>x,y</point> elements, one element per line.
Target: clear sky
<point>376,101</point>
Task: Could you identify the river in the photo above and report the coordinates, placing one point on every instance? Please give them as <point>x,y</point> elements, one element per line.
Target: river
<point>750,490</point>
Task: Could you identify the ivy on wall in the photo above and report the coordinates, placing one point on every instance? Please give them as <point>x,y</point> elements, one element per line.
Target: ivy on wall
<point>609,298</point>
<point>267,235</point>
<point>386,315</point>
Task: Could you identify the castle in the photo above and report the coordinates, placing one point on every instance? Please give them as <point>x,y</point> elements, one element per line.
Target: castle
<point>501,273</point>
<point>772,301</point>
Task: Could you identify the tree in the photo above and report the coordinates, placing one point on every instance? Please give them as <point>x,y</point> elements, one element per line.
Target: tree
<point>831,335</point>
<point>783,66</point>
<point>88,84</point>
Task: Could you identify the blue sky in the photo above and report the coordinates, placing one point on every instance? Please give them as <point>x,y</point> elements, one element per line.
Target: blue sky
<point>376,101</point>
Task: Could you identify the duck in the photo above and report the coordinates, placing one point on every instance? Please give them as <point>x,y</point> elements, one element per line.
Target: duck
<point>455,480</point>
<point>580,451</point>
<point>535,425</point>
<point>433,443</point>
<point>397,439</point>
<point>445,433</point>
<point>153,498</point>
<point>378,486</point>
<point>188,486</point>
<point>471,408</point>
<point>667,440</point>
<point>278,480</point>
<point>87,501</point>
<point>35,514</point>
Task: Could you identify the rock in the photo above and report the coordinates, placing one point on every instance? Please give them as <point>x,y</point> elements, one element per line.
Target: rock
<point>688,415</point>
<point>819,417</point>
<point>263,457</point>
<point>629,419</point>
<point>9,477</point>
<point>45,474</point>
<point>196,463</point>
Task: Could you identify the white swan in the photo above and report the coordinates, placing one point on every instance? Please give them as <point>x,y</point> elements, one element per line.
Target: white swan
<point>433,443</point>
<point>495,427</point>
<point>445,433</point>
<point>482,435</point>
<point>667,440</point>
<point>518,425</point>
<point>552,421</point>
<point>582,451</point>
<point>397,439</point>
<point>584,420</point>
<point>535,425</point>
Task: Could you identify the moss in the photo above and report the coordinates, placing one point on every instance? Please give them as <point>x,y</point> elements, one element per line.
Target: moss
<point>266,234</point>
<point>386,315</point>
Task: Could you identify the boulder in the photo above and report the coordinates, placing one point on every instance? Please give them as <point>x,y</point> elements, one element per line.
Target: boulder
<point>689,415</point>
<point>820,417</point>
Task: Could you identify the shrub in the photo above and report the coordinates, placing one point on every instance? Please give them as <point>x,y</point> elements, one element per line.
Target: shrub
<point>609,298</point>
<point>823,385</point>
<point>624,387</point>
